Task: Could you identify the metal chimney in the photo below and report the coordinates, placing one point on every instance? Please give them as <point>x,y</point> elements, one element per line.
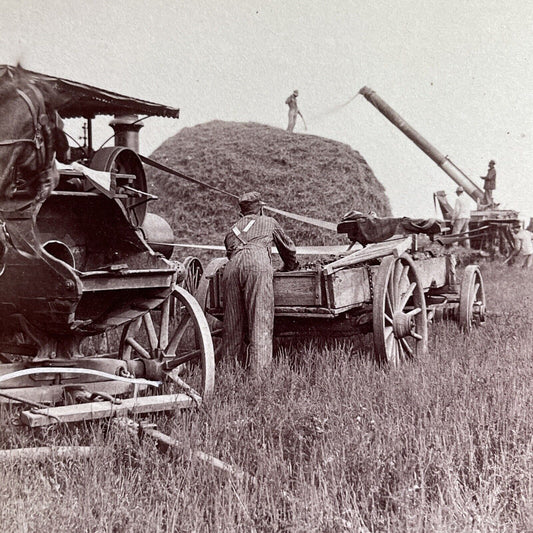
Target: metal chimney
<point>127,131</point>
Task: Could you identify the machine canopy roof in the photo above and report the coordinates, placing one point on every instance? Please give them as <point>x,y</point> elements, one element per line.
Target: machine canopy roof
<point>81,100</point>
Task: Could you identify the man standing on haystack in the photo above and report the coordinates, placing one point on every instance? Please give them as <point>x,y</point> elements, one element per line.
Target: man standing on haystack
<point>490,183</point>
<point>293,110</point>
<point>248,283</point>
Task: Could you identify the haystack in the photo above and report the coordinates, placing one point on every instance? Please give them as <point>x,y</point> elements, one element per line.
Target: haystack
<point>303,174</point>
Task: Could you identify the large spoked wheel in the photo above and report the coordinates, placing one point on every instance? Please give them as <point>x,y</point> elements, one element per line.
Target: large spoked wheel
<point>202,295</point>
<point>399,312</point>
<point>181,341</point>
<point>472,299</point>
<point>193,274</point>
<point>123,160</point>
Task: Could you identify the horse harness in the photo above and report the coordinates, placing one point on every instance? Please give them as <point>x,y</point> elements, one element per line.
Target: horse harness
<point>40,127</point>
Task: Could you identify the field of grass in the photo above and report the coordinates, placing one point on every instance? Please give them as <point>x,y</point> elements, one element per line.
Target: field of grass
<point>331,443</point>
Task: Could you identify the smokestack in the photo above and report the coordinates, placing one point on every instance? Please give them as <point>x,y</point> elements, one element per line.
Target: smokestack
<point>127,131</point>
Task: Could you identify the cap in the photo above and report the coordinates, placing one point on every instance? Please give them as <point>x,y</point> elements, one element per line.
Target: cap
<point>353,215</point>
<point>295,92</point>
<point>249,201</point>
<point>492,162</point>
<point>459,189</point>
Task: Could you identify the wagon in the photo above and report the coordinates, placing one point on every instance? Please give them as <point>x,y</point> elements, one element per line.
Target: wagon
<point>391,288</point>
<point>94,319</point>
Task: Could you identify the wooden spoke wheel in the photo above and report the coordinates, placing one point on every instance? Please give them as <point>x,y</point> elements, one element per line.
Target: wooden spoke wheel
<point>193,274</point>
<point>181,341</point>
<point>123,160</point>
<point>202,295</point>
<point>471,299</point>
<point>399,312</point>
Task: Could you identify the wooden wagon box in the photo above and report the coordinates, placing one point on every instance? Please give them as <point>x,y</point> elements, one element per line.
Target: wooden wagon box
<point>338,291</point>
<point>342,285</point>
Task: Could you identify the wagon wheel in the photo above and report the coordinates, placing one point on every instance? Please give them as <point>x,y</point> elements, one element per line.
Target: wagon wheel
<point>182,341</point>
<point>123,160</point>
<point>472,299</point>
<point>202,295</point>
<point>506,240</point>
<point>193,273</point>
<point>399,311</point>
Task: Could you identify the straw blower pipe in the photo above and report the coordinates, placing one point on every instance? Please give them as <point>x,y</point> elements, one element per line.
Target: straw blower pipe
<point>438,157</point>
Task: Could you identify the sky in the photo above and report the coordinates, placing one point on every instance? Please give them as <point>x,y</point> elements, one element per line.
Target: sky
<point>459,72</point>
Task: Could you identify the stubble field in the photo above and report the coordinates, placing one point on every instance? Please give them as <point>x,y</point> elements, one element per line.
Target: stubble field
<point>329,442</point>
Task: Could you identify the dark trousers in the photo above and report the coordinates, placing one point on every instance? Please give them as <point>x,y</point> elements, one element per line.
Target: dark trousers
<point>249,308</point>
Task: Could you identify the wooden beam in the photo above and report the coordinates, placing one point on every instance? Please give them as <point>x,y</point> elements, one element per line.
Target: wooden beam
<point>166,442</point>
<point>97,410</point>
<point>372,251</point>
<point>54,393</point>
<point>403,246</point>
<point>44,452</point>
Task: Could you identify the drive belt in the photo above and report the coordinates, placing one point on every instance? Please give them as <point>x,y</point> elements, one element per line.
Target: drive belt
<point>160,166</point>
<point>301,218</point>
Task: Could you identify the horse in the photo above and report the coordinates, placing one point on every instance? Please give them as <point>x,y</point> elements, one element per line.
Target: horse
<point>30,136</point>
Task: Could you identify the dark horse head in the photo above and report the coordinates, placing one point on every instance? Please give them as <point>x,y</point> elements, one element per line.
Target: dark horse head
<point>30,137</point>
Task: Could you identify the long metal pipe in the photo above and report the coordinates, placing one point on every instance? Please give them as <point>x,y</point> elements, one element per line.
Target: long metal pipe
<point>444,163</point>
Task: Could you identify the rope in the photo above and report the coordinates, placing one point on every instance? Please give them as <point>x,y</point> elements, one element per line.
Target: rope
<point>160,166</point>
<point>301,218</point>
<point>308,220</point>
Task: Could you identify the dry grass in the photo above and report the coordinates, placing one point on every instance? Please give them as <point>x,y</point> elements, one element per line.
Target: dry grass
<point>443,444</point>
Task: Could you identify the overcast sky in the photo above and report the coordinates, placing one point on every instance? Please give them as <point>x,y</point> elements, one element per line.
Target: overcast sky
<point>459,72</point>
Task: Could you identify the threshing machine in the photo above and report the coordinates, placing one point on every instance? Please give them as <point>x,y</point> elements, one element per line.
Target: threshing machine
<point>490,227</point>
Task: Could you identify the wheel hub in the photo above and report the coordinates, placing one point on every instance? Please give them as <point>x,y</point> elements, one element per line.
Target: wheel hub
<point>478,312</point>
<point>403,324</point>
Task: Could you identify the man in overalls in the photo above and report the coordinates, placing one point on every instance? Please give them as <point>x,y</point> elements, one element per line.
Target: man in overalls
<point>248,283</point>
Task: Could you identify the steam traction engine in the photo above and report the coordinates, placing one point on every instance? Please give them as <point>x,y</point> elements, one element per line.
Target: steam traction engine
<point>79,266</point>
